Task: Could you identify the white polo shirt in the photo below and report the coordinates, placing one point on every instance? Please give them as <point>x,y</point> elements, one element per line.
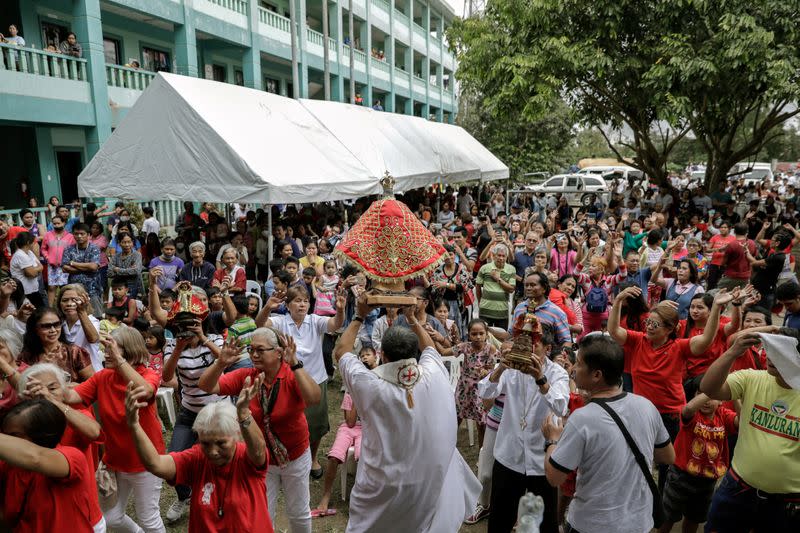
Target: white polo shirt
<point>76,336</point>
<point>308,338</point>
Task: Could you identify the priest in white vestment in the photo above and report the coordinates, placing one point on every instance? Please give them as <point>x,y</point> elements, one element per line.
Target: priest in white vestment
<point>410,476</point>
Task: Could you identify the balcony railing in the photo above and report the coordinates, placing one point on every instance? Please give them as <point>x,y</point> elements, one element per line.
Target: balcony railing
<point>399,14</point>
<point>419,84</point>
<point>273,19</point>
<point>379,65</point>
<point>361,57</point>
<point>38,62</point>
<point>382,4</point>
<point>240,6</point>
<point>314,37</point>
<point>128,78</point>
<point>419,32</point>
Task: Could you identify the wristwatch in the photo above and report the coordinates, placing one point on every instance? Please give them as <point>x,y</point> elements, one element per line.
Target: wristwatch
<point>297,366</point>
<point>542,380</point>
<point>549,443</point>
<point>358,319</point>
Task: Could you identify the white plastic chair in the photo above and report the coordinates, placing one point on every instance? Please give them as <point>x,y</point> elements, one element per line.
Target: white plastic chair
<point>455,374</point>
<point>253,286</point>
<point>165,396</point>
<point>257,296</point>
<point>349,467</point>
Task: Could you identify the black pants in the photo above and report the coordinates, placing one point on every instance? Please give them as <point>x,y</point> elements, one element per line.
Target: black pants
<point>673,424</point>
<point>501,323</point>
<point>508,487</point>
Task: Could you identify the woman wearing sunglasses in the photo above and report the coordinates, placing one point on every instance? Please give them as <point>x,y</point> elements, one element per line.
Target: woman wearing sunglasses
<point>44,342</point>
<point>658,357</point>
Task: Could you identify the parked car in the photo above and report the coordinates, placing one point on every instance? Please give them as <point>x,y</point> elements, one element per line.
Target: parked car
<point>608,172</point>
<point>752,172</point>
<point>577,187</point>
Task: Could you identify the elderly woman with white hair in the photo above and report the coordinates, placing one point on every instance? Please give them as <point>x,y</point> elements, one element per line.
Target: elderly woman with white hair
<point>49,382</point>
<point>225,474</point>
<point>10,346</point>
<point>231,274</point>
<point>278,411</point>
<point>495,282</point>
<point>198,271</point>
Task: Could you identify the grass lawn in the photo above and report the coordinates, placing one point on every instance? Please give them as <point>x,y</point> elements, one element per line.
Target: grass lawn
<point>338,522</point>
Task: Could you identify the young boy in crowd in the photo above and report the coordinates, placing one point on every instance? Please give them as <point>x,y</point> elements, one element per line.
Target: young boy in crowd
<point>292,266</point>
<point>701,458</point>
<point>348,434</point>
<point>240,324</point>
<point>275,266</point>
<point>309,279</point>
<point>112,320</point>
<point>121,300</point>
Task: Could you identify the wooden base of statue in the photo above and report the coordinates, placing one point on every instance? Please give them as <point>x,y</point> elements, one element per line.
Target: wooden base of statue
<point>384,294</point>
<point>519,358</point>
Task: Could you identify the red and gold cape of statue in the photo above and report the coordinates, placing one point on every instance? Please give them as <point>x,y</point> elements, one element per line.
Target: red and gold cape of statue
<point>389,244</point>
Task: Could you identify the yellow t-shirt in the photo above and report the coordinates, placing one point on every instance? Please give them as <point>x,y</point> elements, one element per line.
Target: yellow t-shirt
<point>318,263</point>
<point>767,454</point>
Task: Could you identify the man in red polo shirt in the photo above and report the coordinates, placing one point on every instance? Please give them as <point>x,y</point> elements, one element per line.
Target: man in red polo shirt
<point>735,262</point>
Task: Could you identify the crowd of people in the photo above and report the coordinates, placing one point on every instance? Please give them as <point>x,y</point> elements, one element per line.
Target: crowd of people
<point>650,307</point>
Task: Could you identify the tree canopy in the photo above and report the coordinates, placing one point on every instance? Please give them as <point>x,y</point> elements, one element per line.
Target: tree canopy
<point>655,70</point>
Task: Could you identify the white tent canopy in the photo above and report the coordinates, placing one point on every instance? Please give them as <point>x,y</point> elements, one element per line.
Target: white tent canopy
<point>193,139</point>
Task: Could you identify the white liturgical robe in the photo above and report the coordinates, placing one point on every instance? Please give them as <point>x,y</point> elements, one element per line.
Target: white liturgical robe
<point>410,475</point>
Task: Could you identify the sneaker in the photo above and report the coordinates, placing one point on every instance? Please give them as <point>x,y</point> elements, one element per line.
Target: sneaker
<point>177,510</point>
<point>480,513</point>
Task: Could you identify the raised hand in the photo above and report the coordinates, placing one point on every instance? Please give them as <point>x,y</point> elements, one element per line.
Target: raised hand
<point>341,300</point>
<point>629,292</point>
<point>289,350</point>
<point>7,287</point>
<point>230,352</point>
<point>723,298</point>
<point>133,402</point>
<point>35,389</point>
<point>113,354</point>
<point>249,391</point>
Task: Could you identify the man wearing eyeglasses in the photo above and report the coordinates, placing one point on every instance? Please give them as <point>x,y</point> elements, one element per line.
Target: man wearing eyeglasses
<point>523,260</point>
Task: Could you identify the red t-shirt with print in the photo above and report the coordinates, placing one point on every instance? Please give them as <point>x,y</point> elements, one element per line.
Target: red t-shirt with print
<point>235,490</point>
<point>35,503</point>
<point>701,448</point>
<point>288,419</point>
<point>108,388</point>
<point>658,372</point>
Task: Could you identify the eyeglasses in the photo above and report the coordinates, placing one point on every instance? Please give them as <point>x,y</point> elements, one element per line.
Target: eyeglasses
<point>262,351</point>
<point>49,325</point>
<point>649,322</point>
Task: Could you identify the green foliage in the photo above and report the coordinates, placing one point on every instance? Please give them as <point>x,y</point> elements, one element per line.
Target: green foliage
<point>655,69</point>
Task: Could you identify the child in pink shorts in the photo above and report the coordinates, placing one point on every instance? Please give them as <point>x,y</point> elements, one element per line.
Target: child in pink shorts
<point>348,434</point>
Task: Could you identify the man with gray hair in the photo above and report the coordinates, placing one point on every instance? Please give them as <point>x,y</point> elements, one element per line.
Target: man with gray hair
<point>410,475</point>
<point>495,281</point>
<point>198,271</point>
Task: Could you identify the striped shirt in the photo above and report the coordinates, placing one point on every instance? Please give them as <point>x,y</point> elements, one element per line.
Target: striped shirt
<point>242,330</point>
<point>191,365</point>
<point>608,283</point>
<point>547,313</point>
<point>495,414</point>
<point>494,300</point>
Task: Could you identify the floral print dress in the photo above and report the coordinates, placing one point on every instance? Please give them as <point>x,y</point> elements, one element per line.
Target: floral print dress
<point>477,364</point>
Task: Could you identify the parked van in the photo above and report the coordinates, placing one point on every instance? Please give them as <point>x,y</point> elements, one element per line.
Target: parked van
<point>752,172</point>
<point>609,171</point>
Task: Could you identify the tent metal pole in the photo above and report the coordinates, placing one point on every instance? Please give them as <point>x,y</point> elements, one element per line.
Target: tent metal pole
<point>293,30</point>
<point>326,78</point>
<point>269,238</point>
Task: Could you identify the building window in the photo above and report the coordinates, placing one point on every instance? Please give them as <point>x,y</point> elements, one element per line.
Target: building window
<point>155,60</point>
<point>268,6</point>
<point>238,77</point>
<point>111,50</point>
<point>218,73</point>
<point>290,89</point>
<point>53,34</point>
<point>271,85</point>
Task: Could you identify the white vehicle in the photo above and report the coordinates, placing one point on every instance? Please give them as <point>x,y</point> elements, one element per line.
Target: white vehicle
<point>752,172</point>
<point>610,172</point>
<point>577,187</point>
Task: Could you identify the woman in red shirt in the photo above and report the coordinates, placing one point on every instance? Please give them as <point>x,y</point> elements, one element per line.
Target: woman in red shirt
<point>47,486</point>
<point>47,381</point>
<point>658,357</point>
<point>286,391</point>
<point>232,269</point>
<point>564,297</point>
<point>126,358</point>
<point>226,476</point>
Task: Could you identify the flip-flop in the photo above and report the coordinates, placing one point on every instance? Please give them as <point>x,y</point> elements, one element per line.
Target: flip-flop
<point>317,473</point>
<point>322,513</point>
